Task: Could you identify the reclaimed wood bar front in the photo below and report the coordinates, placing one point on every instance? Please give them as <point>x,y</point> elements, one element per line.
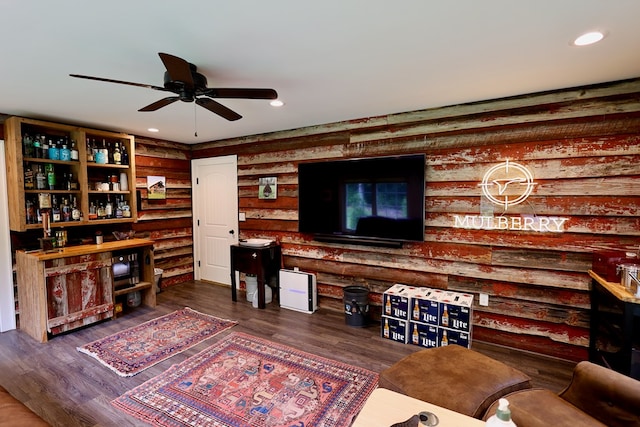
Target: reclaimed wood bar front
<point>67,288</point>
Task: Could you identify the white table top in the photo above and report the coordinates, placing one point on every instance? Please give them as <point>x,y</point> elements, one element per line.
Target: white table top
<point>385,407</point>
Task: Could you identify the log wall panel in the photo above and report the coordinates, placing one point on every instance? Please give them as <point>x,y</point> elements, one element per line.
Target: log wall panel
<point>167,222</point>
<point>583,147</point>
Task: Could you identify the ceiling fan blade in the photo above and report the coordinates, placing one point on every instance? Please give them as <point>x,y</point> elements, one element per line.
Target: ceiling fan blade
<point>100,79</point>
<point>219,109</point>
<point>179,70</point>
<point>159,104</point>
<point>247,93</point>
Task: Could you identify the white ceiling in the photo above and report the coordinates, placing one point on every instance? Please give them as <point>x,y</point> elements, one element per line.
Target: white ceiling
<point>329,60</point>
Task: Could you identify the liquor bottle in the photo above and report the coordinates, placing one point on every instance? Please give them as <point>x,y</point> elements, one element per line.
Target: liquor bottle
<point>51,176</point>
<point>65,153</point>
<point>54,151</point>
<point>126,209</point>
<point>119,207</point>
<point>125,155</point>
<point>27,145</point>
<point>74,151</point>
<point>445,316</point>
<point>29,183</point>
<point>117,155</point>
<point>75,212</point>
<point>93,211</point>
<point>72,184</point>
<point>105,152</point>
<point>37,148</point>
<point>90,156</point>
<point>108,209</point>
<point>30,212</point>
<point>55,210</point>
<point>45,147</point>
<point>66,210</point>
<point>101,212</point>
<point>41,179</point>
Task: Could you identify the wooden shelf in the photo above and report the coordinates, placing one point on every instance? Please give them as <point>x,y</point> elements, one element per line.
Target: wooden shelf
<point>137,287</point>
<point>84,172</point>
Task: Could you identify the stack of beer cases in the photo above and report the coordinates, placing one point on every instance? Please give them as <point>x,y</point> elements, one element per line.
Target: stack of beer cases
<point>395,312</point>
<point>427,317</point>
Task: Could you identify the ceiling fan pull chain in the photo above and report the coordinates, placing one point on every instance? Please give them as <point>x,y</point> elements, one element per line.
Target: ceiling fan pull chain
<point>195,120</point>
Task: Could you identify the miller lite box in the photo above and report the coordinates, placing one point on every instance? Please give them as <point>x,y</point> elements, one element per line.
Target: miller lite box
<point>425,306</point>
<point>395,301</point>
<point>450,337</point>
<point>456,311</point>
<point>423,335</point>
<point>394,329</point>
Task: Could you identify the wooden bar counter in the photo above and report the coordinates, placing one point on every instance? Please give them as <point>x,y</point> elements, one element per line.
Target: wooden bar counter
<point>66,288</point>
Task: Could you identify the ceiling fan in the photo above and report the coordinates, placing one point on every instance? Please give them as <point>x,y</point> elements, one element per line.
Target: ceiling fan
<point>183,79</point>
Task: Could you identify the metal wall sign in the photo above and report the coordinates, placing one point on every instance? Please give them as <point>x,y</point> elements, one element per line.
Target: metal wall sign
<point>508,184</point>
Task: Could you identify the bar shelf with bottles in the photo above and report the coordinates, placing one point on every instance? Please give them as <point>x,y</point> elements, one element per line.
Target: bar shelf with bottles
<point>68,172</point>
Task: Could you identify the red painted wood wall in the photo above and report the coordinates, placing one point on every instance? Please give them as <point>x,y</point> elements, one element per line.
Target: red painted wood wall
<point>583,147</point>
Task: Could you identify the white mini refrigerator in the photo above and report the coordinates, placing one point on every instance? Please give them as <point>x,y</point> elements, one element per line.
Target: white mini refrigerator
<point>298,291</point>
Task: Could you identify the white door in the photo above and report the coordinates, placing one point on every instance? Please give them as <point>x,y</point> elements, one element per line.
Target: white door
<point>215,216</point>
<point>7,307</point>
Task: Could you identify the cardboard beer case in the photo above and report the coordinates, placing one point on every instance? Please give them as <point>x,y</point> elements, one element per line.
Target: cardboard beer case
<point>395,301</point>
<point>394,329</point>
<point>425,306</point>
<point>450,337</point>
<point>423,335</point>
<point>456,311</point>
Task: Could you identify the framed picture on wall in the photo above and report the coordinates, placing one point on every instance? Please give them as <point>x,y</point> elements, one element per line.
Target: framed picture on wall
<point>156,188</point>
<point>268,188</point>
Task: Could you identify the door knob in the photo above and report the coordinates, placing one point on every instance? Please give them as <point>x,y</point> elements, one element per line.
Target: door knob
<point>232,232</point>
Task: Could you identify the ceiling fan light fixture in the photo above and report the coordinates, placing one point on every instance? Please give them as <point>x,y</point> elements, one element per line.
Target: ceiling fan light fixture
<point>589,38</point>
<point>154,130</point>
<point>276,103</point>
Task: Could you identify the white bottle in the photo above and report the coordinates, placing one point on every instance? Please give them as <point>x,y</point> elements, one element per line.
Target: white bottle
<point>502,417</point>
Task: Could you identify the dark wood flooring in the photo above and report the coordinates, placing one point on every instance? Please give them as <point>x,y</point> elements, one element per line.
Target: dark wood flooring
<point>68,388</point>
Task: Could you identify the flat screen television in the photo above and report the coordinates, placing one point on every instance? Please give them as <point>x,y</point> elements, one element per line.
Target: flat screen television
<point>370,201</point>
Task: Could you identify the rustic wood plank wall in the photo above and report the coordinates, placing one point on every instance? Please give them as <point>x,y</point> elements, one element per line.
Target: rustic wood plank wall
<point>168,221</point>
<point>582,146</point>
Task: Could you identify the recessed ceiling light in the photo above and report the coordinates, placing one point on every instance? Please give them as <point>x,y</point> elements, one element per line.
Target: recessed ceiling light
<point>153,130</point>
<point>589,38</point>
<point>276,103</point>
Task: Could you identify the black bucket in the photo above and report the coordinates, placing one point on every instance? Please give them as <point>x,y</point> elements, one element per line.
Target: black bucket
<point>356,305</point>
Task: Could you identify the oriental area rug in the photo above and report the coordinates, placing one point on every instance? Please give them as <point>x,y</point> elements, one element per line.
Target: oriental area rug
<point>248,381</point>
<point>133,350</point>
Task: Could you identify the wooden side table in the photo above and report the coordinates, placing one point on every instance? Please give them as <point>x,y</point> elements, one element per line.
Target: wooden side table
<point>264,262</point>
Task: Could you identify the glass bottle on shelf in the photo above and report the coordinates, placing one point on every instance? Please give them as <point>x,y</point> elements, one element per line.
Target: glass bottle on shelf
<point>27,145</point>
<point>65,210</point>
<point>65,153</point>
<point>108,208</point>
<point>74,155</point>
<point>37,148</point>
<point>119,207</point>
<point>125,155</point>
<point>55,208</point>
<point>93,211</point>
<point>90,156</point>
<point>101,211</point>
<point>29,183</point>
<point>51,176</point>
<point>75,212</point>
<point>126,209</point>
<point>117,155</point>
<point>41,179</point>
<point>31,212</point>
<point>54,151</point>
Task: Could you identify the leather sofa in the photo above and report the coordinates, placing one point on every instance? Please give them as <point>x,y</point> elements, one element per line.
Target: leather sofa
<point>14,413</point>
<point>470,383</point>
<point>596,396</point>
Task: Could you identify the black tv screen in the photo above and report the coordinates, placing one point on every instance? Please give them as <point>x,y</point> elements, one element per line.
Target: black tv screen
<point>377,200</point>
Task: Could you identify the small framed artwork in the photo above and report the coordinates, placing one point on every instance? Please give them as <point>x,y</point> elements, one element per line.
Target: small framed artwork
<point>268,188</point>
<point>156,187</point>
